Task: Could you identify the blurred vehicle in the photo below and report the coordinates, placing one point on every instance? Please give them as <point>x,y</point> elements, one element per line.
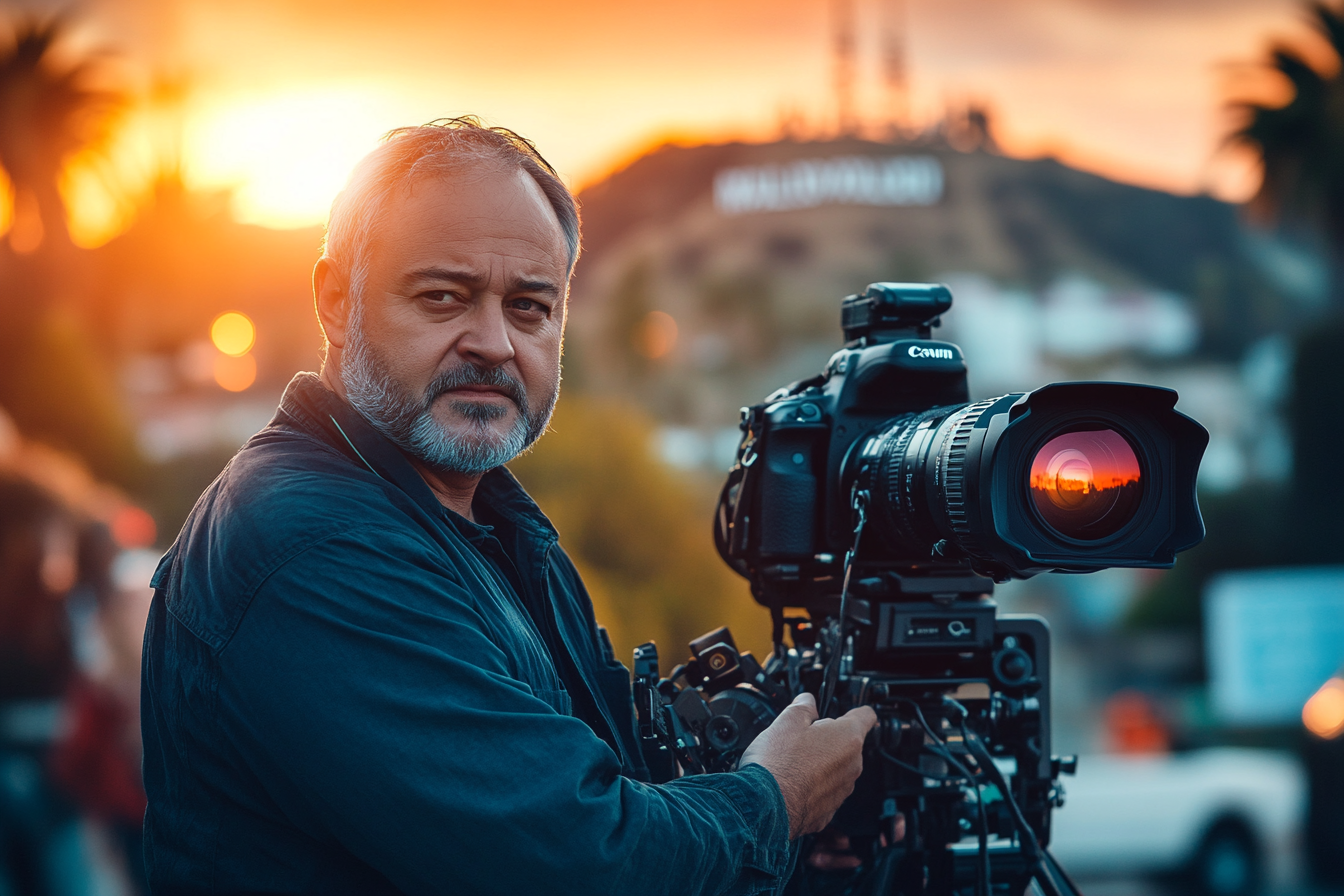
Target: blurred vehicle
<point>1212,822</point>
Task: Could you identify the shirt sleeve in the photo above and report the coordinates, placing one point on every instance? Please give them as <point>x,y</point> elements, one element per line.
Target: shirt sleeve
<point>366,695</point>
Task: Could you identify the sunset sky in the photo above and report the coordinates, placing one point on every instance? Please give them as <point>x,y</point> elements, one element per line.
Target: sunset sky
<point>284,95</point>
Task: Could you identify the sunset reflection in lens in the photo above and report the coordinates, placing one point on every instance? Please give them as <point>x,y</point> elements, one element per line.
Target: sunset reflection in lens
<point>1086,483</point>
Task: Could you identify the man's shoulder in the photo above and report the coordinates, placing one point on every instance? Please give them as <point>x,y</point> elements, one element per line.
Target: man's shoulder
<point>286,485</point>
<point>283,494</point>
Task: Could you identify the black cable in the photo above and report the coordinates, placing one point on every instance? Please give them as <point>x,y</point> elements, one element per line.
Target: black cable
<point>1048,872</point>
<point>917,770</point>
<point>983,879</point>
<point>831,675</point>
<point>983,867</point>
<point>982,756</point>
<point>984,820</point>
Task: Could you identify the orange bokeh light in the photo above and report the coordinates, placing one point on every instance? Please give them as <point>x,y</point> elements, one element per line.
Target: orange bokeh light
<point>1135,725</point>
<point>235,373</point>
<point>233,333</point>
<point>133,527</point>
<point>1323,714</point>
<point>656,335</point>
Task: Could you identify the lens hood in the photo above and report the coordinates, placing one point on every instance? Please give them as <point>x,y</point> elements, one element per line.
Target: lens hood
<point>1075,477</point>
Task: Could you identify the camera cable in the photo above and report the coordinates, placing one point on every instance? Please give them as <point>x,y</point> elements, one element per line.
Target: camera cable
<point>859,499</point>
<point>983,880</point>
<point>1051,877</point>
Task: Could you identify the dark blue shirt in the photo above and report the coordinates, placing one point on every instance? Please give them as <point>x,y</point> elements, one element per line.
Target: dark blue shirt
<point>348,688</point>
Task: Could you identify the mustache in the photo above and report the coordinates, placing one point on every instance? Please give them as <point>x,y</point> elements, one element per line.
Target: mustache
<point>471,375</point>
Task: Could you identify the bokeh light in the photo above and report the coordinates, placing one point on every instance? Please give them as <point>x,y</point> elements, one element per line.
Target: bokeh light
<point>235,373</point>
<point>1324,712</point>
<point>233,333</point>
<point>132,527</point>
<point>656,335</point>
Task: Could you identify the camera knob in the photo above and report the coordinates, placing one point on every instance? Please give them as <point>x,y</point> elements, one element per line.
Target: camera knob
<point>892,732</point>
<point>722,733</point>
<point>1013,666</point>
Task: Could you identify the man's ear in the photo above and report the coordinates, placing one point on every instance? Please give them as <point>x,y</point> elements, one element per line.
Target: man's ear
<point>331,296</point>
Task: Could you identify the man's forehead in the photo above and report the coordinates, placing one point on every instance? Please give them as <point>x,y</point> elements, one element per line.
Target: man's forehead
<point>444,184</point>
<point>484,199</point>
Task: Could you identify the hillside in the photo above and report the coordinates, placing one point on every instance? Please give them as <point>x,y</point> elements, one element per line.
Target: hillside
<point>751,280</point>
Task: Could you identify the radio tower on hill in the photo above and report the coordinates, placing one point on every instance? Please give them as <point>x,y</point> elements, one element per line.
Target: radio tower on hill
<point>894,71</point>
<point>843,45</point>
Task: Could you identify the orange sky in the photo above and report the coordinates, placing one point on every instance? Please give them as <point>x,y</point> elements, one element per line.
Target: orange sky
<point>286,94</point>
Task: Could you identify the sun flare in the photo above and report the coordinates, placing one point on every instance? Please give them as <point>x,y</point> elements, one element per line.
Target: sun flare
<point>284,155</point>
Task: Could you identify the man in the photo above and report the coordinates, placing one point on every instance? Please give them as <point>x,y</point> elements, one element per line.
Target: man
<point>368,666</point>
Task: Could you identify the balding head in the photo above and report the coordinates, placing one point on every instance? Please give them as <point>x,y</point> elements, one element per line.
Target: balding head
<point>407,155</point>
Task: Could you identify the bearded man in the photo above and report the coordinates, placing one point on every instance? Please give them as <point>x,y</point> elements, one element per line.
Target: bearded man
<point>369,666</point>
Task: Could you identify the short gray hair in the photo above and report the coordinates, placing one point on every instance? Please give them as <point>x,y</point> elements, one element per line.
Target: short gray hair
<point>435,149</point>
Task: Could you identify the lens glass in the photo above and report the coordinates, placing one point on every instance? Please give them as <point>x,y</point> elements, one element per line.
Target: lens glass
<point>1086,483</point>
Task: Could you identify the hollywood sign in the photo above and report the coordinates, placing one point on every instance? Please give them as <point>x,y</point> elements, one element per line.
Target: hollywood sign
<point>843,180</point>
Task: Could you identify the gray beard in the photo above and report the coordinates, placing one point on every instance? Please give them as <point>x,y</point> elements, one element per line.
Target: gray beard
<point>409,421</point>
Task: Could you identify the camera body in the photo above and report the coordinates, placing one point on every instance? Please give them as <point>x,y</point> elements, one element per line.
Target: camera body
<point>872,508</point>
<point>945,479</point>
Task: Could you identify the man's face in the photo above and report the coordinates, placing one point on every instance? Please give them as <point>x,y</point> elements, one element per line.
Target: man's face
<point>453,345</point>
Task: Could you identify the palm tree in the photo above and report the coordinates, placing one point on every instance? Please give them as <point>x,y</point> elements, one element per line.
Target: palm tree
<point>54,382</point>
<point>1301,148</point>
<point>1301,143</point>
<point>49,110</point>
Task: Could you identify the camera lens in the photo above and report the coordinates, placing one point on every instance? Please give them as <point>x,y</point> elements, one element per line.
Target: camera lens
<point>1086,483</point>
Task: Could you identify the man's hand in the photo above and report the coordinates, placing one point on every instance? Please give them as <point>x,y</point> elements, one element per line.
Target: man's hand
<point>815,761</point>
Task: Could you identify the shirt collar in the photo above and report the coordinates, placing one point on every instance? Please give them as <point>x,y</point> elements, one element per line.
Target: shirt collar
<point>316,409</point>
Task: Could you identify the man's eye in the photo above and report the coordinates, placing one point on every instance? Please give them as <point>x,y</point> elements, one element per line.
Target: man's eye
<point>531,307</point>
<point>438,296</point>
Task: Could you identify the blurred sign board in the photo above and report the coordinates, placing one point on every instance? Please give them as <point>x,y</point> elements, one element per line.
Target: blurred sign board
<point>841,180</point>
<point>1272,636</point>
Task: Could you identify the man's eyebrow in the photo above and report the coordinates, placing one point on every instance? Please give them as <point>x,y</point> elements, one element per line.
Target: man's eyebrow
<point>545,287</point>
<point>471,278</point>
<point>478,280</point>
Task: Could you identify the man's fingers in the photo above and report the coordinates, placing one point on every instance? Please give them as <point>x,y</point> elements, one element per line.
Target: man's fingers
<point>864,715</point>
<point>804,706</point>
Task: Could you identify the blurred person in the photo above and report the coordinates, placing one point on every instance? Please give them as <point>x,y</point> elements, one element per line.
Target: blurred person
<point>71,803</point>
<point>98,760</point>
<point>369,666</point>
<point>43,849</point>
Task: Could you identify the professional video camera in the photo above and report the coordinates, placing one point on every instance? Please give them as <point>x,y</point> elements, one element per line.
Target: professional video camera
<point>872,507</point>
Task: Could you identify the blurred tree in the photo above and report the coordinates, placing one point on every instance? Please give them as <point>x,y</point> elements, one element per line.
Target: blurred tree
<point>55,384</point>
<point>1301,149</point>
<point>638,532</point>
<point>1301,143</point>
<point>743,308</point>
<point>631,302</point>
<point>49,111</point>
<point>54,379</point>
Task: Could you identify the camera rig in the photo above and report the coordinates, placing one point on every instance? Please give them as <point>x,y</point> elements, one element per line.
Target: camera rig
<point>961,750</point>
<point>872,508</point>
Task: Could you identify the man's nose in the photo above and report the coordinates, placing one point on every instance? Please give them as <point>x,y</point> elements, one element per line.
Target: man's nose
<point>487,341</point>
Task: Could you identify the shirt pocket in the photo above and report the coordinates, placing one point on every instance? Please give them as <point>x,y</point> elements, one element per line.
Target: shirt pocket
<point>557,698</point>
